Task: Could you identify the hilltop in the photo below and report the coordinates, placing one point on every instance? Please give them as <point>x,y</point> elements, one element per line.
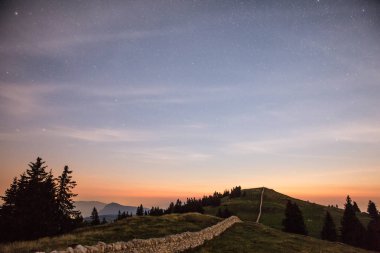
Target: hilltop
<point>247,208</point>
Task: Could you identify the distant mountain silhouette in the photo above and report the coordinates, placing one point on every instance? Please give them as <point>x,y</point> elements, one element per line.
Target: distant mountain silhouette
<point>85,207</point>
<point>113,208</point>
<point>108,210</point>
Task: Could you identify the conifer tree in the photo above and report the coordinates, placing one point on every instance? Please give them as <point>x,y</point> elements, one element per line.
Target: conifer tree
<point>40,191</point>
<point>69,217</point>
<point>353,232</point>
<point>178,207</point>
<point>329,230</point>
<point>356,207</point>
<point>103,221</point>
<point>293,222</point>
<point>95,217</point>
<point>372,210</point>
<point>140,210</point>
<point>235,192</point>
<point>373,228</point>
<point>170,208</point>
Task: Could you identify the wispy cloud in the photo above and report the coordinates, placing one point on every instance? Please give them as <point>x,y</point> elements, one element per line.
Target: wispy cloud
<point>96,135</point>
<point>166,154</point>
<point>104,134</point>
<point>360,133</point>
<point>26,99</point>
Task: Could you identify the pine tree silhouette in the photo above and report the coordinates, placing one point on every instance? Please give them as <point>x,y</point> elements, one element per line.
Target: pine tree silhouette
<point>94,217</point>
<point>372,210</point>
<point>353,232</point>
<point>373,228</point>
<point>356,207</point>
<point>293,222</point>
<point>329,230</point>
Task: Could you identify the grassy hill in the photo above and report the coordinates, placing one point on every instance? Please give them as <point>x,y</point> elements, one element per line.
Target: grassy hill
<point>257,238</point>
<point>244,237</point>
<point>273,209</point>
<point>124,230</point>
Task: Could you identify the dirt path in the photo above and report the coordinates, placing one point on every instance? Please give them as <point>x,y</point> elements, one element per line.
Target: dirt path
<point>261,204</point>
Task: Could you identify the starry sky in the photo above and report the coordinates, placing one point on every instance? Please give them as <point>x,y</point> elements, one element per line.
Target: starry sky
<point>148,101</point>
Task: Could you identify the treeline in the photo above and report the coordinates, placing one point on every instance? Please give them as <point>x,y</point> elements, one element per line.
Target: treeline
<point>37,204</point>
<point>352,230</point>
<point>195,205</point>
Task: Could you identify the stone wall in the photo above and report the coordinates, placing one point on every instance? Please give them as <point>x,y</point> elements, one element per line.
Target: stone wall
<point>168,244</point>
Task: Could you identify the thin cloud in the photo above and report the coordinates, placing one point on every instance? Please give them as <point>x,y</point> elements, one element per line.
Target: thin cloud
<point>26,99</point>
<point>104,134</point>
<point>367,134</point>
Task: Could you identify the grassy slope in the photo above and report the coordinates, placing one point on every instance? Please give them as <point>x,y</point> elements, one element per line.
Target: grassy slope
<point>251,237</point>
<point>273,210</point>
<point>246,237</point>
<point>124,230</point>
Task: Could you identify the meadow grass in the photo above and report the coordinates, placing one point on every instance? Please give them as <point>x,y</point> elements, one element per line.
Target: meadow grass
<point>257,238</point>
<point>123,230</point>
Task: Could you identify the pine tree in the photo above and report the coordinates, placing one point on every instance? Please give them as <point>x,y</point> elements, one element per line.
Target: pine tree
<point>353,232</point>
<point>235,192</point>
<point>293,222</point>
<point>40,191</point>
<point>356,207</point>
<point>373,228</point>
<point>103,221</point>
<point>178,207</point>
<point>140,210</point>
<point>329,230</point>
<point>372,210</point>
<point>170,208</point>
<point>68,216</point>
<point>95,217</point>
<point>8,216</point>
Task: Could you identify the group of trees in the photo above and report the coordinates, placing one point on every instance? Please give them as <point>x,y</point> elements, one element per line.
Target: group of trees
<point>191,205</point>
<point>197,205</point>
<point>235,192</point>
<point>212,200</point>
<point>36,204</point>
<point>156,211</point>
<point>140,211</point>
<point>366,238</point>
<point>352,230</point>
<point>123,215</point>
<point>194,205</point>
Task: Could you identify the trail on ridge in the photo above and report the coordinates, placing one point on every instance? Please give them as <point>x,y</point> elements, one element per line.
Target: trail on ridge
<point>261,204</point>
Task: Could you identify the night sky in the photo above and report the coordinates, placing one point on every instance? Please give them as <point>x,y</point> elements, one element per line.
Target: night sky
<point>148,101</point>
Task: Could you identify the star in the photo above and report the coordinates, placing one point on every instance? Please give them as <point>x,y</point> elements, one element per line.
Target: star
<point>16,13</point>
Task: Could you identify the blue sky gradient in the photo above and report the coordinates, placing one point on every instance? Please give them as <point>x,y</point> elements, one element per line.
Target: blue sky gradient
<point>159,99</point>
